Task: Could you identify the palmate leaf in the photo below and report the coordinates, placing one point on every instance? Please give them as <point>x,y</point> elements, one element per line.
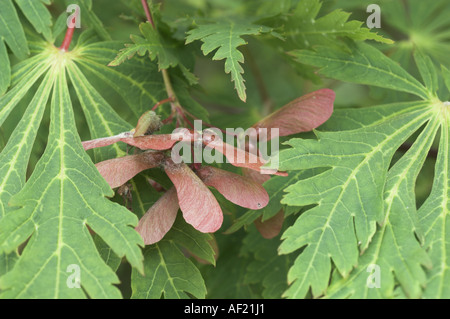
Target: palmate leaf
<point>226,37</point>
<point>434,216</point>
<point>360,189</point>
<point>73,196</point>
<point>12,32</point>
<point>394,247</point>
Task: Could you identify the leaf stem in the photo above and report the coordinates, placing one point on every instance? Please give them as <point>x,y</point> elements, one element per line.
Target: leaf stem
<point>169,87</point>
<point>68,38</point>
<point>162,102</point>
<point>148,13</point>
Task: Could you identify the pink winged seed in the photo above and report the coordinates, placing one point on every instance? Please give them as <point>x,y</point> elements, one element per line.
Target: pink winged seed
<point>300,115</point>
<point>238,189</point>
<point>158,220</point>
<point>198,205</point>
<point>237,156</point>
<point>255,176</point>
<point>118,171</point>
<point>271,227</point>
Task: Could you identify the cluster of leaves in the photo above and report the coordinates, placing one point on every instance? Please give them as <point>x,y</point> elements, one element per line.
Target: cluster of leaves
<point>349,199</point>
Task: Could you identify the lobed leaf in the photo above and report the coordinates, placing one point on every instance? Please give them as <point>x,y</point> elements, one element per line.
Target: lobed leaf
<point>56,222</point>
<point>226,37</point>
<point>395,248</point>
<point>349,196</point>
<point>434,218</point>
<point>169,274</point>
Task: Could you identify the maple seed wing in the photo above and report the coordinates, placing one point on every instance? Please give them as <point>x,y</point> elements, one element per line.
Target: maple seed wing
<point>300,115</point>
<point>271,227</point>
<point>238,189</point>
<point>237,156</point>
<point>199,206</point>
<point>158,220</point>
<point>118,171</point>
<point>104,141</point>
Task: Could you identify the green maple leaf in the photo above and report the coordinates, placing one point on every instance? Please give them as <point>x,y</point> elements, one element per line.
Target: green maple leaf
<point>169,273</point>
<point>12,32</point>
<point>226,37</point>
<point>359,189</point>
<point>65,192</point>
<point>172,274</point>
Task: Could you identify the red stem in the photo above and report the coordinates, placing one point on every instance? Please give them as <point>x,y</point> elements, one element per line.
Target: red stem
<point>167,120</point>
<point>69,35</point>
<point>180,111</point>
<point>67,40</point>
<point>148,13</point>
<point>162,102</point>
